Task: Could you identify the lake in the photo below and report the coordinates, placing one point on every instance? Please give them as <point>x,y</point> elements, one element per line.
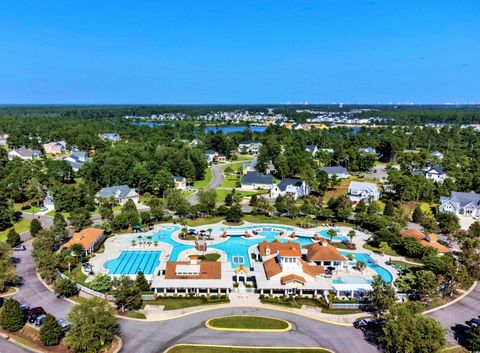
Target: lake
<point>225,129</point>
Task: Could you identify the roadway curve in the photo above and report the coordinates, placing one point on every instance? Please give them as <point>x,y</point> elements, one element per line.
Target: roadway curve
<point>217,180</point>
<point>154,337</point>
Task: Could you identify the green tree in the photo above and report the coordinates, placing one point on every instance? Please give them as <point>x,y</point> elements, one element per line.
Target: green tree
<point>93,324</point>
<point>34,191</point>
<point>351,234</point>
<point>361,206</point>
<point>13,239</point>
<point>406,330</point>
<point>12,317</point>
<point>417,215</point>
<point>382,296</point>
<point>106,211</point>
<point>51,333</point>
<point>331,233</point>
<point>35,227</point>
<point>129,207</point>
<point>253,200</point>
<point>80,218</point>
<point>6,212</point>
<point>142,282</point>
<point>448,223</point>
<point>7,273</point>
<point>101,282</point>
<point>425,286</point>
<point>207,199</point>
<point>59,227</point>
<point>65,287</point>
<point>389,209</point>
<point>234,214</point>
<point>127,295</point>
<point>473,341</point>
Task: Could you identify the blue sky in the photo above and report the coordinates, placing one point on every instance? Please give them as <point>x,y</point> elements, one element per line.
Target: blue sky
<point>277,51</point>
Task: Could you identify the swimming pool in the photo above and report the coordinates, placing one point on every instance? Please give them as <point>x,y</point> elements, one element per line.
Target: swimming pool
<point>337,238</point>
<point>351,280</point>
<point>132,262</point>
<point>382,272</point>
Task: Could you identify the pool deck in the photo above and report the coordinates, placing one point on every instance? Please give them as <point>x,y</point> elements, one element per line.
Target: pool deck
<point>118,243</point>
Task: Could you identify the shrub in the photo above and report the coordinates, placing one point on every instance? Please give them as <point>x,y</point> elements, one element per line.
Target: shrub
<point>12,318</point>
<point>51,332</point>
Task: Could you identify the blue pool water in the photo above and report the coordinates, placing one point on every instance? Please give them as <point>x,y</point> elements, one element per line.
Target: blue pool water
<point>382,272</point>
<point>132,262</point>
<point>337,238</point>
<point>351,280</point>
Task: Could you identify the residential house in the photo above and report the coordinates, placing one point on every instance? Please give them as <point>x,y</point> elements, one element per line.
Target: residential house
<point>435,173</point>
<point>311,148</point>
<point>23,153</point>
<point>327,150</point>
<point>339,172</point>
<point>326,255</point>
<point>249,147</point>
<point>180,183</point>
<point>195,142</point>
<point>358,190</point>
<point>270,168</point>
<point>257,180</point>
<point>250,166</point>
<point>56,147</point>
<point>461,204</point>
<point>3,139</point>
<point>221,158</point>
<point>292,187</point>
<point>110,136</point>
<point>76,160</point>
<point>430,240</point>
<point>211,156</point>
<point>437,154</point>
<point>89,238</point>
<point>119,194</point>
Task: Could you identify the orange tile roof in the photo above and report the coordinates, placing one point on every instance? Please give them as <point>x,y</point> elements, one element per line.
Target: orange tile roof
<point>284,249</point>
<point>292,278</point>
<point>271,267</point>
<point>208,270</point>
<point>312,270</point>
<point>87,237</point>
<point>327,252</point>
<point>241,268</point>
<point>429,241</point>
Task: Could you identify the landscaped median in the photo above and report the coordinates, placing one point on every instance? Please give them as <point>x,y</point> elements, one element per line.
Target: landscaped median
<point>248,323</point>
<point>198,348</point>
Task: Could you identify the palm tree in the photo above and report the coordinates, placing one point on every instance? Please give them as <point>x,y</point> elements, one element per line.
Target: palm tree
<point>331,233</point>
<point>209,230</point>
<point>351,235</point>
<point>155,243</point>
<point>133,242</point>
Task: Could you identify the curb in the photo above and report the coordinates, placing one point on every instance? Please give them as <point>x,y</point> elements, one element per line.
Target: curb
<point>7,295</point>
<point>21,345</point>
<point>470,290</point>
<point>120,344</point>
<point>246,347</point>
<point>208,325</point>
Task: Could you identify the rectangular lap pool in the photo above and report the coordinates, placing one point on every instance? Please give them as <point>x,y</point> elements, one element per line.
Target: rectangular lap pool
<point>132,262</point>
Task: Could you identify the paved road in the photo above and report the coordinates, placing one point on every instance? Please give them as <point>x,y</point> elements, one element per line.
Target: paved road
<point>154,337</point>
<point>217,180</point>
<point>461,311</point>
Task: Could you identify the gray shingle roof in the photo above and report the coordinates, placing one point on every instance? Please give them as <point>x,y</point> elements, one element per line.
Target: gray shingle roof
<point>289,181</point>
<point>464,198</point>
<point>334,170</point>
<point>257,178</point>
<point>112,191</point>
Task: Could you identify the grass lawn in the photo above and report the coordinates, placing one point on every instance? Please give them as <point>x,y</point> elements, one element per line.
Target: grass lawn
<point>207,179</point>
<point>209,257</point>
<point>276,220</point>
<point>405,265</point>
<point>222,349</point>
<point>18,208</point>
<point>77,275</point>
<point>222,193</point>
<point>133,315</point>
<point>21,226</point>
<point>248,322</point>
<point>174,303</point>
<point>389,252</point>
<point>204,221</point>
<point>230,181</point>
